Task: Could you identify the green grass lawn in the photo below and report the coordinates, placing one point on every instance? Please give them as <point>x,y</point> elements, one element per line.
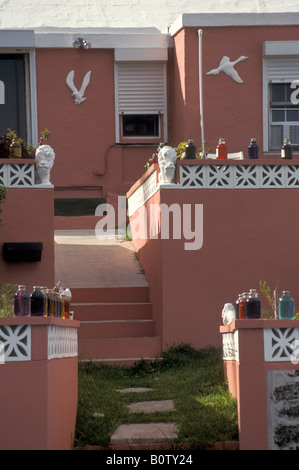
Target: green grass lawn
<point>194,379</point>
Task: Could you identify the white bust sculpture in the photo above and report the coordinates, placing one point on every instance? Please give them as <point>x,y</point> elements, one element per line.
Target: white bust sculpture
<point>44,158</point>
<point>167,159</point>
<point>228,314</point>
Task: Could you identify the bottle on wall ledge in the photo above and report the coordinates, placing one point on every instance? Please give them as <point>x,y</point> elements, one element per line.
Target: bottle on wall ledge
<point>253,305</point>
<point>253,149</point>
<point>286,306</point>
<point>287,150</point>
<point>22,302</point>
<point>221,150</point>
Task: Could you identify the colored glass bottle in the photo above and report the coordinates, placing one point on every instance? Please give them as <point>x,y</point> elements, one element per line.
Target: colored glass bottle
<point>286,306</point>
<point>237,304</point>
<point>22,302</point>
<point>243,305</point>
<point>37,302</point>
<point>190,150</point>
<point>253,149</point>
<point>221,150</point>
<point>287,150</point>
<point>253,305</point>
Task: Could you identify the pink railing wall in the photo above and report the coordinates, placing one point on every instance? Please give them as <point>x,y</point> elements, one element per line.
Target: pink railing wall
<point>39,383</point>
<point>249,234</point>
<point>261,361</point>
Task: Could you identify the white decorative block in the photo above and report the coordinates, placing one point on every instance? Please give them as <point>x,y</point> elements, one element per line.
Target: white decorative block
<point>62,342</point>
<point>279,344</point>
<point>193,176</point>
<point>15,343</point>
<point>272,176</point>
<point>230,346</point>
<point>292,176</point>
<point>246,176</point>
<point>220,176</point>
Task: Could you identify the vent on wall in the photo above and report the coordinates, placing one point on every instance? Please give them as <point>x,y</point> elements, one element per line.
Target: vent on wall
<point>17,252</point>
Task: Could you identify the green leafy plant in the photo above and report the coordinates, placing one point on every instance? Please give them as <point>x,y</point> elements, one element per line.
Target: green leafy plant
<point>7,292</point>
<point>181,149</point>
<point>271,296</point>
<point>28,151</point>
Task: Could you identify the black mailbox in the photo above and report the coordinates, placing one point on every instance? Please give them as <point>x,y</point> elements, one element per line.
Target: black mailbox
<point>22,252</point>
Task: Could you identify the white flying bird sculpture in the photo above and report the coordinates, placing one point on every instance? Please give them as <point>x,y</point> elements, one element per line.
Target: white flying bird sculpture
<point>227,67</point>
<point>78,95</point>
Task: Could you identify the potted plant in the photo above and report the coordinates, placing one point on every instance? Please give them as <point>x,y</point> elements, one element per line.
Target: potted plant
<point>10,140</point>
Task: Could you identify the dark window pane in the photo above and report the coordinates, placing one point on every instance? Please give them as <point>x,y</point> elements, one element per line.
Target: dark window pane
<point>292,115</point>
<point>13,110</point>
<point>278,93</point>
<point>140,125</point>
<point>278,115</point>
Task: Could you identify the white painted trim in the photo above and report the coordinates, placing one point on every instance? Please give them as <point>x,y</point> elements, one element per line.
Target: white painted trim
<point>141,54</point>
<point>103,40</point>
<point>201,20</point>
<point>280,48</point>
<point>12,38</point>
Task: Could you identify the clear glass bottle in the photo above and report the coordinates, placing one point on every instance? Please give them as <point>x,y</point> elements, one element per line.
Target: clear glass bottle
<point>253,149</point>
<point>243,305</point>
<point>221,150</point>
<point>37,302</point>
<point>287,150</point>
<point>253,305</point>
<point>22,302</point>
<point>286,306</point>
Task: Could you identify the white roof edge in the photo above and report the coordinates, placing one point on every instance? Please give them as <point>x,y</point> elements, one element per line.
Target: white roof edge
<point>233,19</point>
<point>102,38</point>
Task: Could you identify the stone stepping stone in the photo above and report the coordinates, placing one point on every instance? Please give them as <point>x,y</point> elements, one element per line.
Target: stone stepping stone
<point>151,406</point>
<point>144,433</point>
<point>134,389</point>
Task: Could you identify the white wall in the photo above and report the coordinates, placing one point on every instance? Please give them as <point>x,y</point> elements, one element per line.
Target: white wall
<point>122,13</point>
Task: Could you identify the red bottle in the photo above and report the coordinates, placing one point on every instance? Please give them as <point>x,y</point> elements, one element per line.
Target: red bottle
<point>221,150</point>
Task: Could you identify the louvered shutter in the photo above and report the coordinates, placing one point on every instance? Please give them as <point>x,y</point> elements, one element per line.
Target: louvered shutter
<point>283,69</point>
<point>140,88</point>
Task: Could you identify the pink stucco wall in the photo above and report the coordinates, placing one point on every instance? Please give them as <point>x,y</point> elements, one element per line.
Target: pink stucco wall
<point>231,110</point>
<point>248,235</point>
<point>38,397</point>
<point>88,162</point>
<point>28,216</point>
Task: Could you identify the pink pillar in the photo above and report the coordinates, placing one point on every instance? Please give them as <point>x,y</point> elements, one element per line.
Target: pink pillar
<point>261,363</point>
<point>39,383</point>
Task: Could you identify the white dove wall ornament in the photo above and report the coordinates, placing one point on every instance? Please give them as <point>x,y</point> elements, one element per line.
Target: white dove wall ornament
<point>78,95</point>
<point>227,66</point>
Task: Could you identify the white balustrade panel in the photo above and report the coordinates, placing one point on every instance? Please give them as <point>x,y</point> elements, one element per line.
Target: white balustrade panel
<point>17,175</point>
<point>239,176</point>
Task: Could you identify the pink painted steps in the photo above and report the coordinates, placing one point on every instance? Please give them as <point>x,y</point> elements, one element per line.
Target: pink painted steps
<point>110,297</point>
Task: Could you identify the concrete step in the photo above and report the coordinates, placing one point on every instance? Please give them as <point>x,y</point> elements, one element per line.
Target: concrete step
<point>116,329</point>
<point>112,311</point>
<point>119,350</point>
<point>110,294</point>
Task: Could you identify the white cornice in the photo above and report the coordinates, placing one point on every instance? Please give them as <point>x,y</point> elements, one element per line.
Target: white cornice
<point>201,20</point>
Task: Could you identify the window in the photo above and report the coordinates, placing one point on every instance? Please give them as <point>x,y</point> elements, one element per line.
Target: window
<point>13,97</point>
<point>140,89</point>
<point>281,115</point>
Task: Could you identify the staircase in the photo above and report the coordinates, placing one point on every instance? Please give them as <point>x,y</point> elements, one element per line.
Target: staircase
<point>110,298</point>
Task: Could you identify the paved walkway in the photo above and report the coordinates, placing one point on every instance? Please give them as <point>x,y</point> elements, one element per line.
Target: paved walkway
<point>145,434</point>
<point>82,260</point>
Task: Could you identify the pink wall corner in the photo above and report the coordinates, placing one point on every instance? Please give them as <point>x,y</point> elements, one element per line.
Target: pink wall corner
<point>28,216</point>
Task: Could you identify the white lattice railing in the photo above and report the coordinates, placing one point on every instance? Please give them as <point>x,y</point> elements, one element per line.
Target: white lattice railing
<point>238,176</point>
<point>15,342</point>
<point>142,193</point>
<point>17,174</point>
<point>280,345</point>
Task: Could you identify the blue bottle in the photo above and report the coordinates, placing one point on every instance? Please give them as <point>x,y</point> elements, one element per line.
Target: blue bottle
<point>253,150</point>
<point>253,305</point>
<point>21,302</point>
<point>286,306</point>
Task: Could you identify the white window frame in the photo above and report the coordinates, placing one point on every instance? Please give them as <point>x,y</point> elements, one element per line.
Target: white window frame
<point>280,65</point>
<point>23,42</point>
<point>141,109</point>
